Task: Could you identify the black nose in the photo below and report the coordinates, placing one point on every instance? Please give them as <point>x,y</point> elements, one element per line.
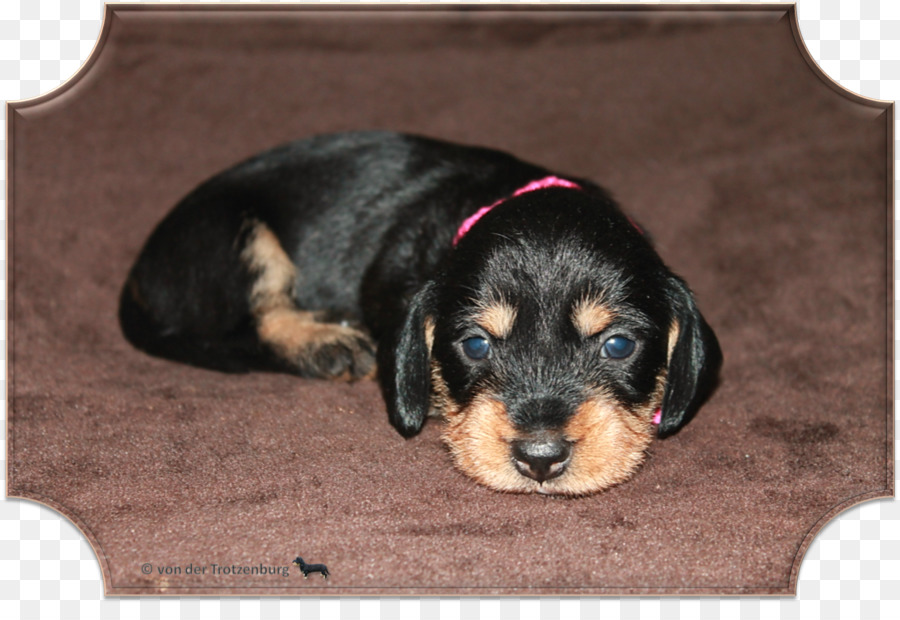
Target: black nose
<point>542,458</point>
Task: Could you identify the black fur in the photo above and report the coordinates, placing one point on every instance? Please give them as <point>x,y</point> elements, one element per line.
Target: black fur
<point>555,246</point>
<point>405,359</point>
<point>368,220</point>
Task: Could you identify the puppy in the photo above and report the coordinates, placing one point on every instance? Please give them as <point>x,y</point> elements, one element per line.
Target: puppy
<point>519,304</point>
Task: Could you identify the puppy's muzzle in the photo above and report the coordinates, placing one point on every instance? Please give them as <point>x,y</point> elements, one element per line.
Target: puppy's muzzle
<point>542,457</point>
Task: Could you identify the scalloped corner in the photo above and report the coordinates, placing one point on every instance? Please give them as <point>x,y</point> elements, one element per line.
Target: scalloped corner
<point>80,73</point>
<point>832,515</point>
<point>817,70</point>
<point>82,528</point>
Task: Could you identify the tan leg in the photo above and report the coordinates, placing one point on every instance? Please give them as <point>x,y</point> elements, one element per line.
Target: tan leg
<point>307,346</point>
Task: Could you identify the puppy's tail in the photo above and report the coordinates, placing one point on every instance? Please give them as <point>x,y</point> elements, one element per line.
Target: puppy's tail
<point>238,353</point>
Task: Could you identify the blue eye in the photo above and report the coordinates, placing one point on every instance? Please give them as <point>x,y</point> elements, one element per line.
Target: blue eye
<point>476,348</point>
<point>617,347</point>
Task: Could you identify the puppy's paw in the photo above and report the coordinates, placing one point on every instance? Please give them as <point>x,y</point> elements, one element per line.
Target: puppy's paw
<point>313,349</point>
<point>338,352</point>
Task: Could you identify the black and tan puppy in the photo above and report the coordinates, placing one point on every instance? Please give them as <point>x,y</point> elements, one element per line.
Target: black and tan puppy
<point>520,305</point>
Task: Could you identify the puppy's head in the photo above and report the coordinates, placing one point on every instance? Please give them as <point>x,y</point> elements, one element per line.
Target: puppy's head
<point>548,343</point>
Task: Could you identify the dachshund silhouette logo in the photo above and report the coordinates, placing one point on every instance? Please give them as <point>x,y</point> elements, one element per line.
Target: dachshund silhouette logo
<point>306,569</point>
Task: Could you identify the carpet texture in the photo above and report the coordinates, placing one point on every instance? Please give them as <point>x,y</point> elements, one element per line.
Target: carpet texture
<point>762,184</point>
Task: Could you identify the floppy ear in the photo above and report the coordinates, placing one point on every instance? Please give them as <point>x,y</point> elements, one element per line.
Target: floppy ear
<point>694,361</point>
<point>404,366</point>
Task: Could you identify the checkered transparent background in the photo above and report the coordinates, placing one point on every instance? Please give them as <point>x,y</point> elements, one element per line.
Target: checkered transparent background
<point>47,569</point>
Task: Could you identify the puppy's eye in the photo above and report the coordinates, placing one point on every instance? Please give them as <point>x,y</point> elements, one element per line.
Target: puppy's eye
<point>476,348</point>
<point>617,347</point>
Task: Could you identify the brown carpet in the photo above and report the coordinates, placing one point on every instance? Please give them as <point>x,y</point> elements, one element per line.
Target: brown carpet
<point>763,185</point>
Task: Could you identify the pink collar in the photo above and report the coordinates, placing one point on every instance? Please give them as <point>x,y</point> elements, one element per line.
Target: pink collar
<point>550,181</point>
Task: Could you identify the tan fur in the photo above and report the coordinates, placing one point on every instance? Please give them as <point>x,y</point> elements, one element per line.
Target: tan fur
<point>590,316</point>
<point>275,272</point>
<point>293,334</point>
<point>478,438</point>
<point>440,395</point>
<point>429,333</point>
<point>609,443</point>
<point>497,317</point>
<point>674,330</point>
<point>441,402</point>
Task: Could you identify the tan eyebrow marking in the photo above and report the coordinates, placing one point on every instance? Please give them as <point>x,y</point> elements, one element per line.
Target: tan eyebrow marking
<point>497,317</point>
<point>591,316</point>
